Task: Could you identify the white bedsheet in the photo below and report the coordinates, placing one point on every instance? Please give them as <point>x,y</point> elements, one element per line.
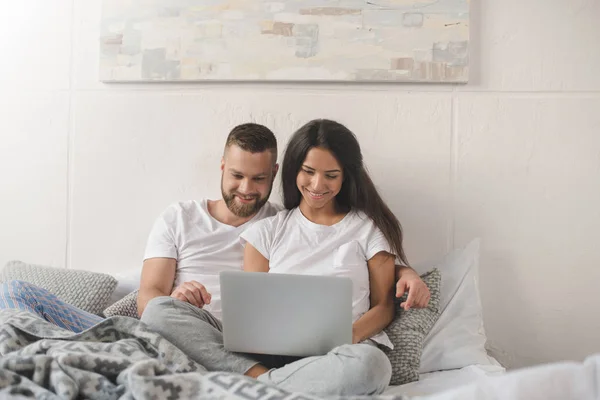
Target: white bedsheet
<point>435,382</point>
<point>555,381</point>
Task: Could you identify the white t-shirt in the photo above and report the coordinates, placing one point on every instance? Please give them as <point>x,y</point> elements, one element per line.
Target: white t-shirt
<point>202,246</point>
<point>293,244</point>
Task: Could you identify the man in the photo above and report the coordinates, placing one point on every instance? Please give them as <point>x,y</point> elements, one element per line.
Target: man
<point>193,241</point>
<point>189,245</point>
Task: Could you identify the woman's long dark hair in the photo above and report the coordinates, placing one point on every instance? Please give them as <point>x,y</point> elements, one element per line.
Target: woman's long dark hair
<point>358,191</point>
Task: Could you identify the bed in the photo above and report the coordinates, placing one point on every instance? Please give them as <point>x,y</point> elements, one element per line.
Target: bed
<point>439,381</point>
<point>453,351</point>
<point>568,380</point>
<point>120,358</point>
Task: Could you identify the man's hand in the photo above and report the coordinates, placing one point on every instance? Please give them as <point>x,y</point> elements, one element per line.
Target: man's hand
<point>192,292</point>
<point>418,292</point>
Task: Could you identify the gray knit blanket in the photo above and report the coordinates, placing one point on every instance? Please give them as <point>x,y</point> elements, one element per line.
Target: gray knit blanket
<point>119,358</point>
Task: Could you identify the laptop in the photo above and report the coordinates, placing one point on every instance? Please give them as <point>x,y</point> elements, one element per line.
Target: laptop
<point>285,314</point>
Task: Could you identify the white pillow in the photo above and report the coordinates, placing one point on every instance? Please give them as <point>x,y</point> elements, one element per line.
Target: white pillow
<point>458,338</point>
<point>128,281</point>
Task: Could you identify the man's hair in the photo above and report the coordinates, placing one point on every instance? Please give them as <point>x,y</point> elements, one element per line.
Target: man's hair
<point>252,137</point>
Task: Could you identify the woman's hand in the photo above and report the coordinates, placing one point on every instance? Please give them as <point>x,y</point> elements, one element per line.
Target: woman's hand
<point>418,292</point>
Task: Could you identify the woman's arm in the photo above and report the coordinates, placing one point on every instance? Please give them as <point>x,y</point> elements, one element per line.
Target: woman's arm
<point>381,313</point>
<point>254,261</point>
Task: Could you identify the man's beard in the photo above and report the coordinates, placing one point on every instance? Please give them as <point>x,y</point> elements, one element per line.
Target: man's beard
<point>243,210</point>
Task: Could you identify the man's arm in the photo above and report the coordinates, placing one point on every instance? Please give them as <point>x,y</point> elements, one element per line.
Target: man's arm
<point>409,280</point>
<point>158,277</point>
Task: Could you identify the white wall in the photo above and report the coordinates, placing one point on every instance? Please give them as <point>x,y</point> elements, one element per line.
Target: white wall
<point>512,157</point>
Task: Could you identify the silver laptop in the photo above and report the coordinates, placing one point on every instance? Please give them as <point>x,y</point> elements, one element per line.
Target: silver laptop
<point>285,314</point>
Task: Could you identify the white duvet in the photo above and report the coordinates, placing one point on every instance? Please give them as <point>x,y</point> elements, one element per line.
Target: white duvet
<point>436,382</point>
<point>557,381</point>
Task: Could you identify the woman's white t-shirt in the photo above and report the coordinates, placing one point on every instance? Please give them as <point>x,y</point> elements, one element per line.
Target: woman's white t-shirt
<point>293,244</point>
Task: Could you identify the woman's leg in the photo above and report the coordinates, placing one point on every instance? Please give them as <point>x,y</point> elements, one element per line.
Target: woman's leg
<point>26,296</point>
<point>349,370</point>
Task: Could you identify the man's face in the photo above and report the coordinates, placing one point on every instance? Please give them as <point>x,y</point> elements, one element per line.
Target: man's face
<point>247,180</point>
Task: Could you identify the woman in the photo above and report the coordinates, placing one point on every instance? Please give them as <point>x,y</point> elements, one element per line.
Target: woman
<point>335,224</point>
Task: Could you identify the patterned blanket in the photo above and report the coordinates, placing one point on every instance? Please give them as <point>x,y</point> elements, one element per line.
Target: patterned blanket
<point>119,358</point>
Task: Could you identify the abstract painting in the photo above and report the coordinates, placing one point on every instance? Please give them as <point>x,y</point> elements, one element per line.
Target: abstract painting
<point>285,40</point>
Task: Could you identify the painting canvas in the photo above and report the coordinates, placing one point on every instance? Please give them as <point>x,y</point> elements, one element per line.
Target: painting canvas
<point>285,40</point>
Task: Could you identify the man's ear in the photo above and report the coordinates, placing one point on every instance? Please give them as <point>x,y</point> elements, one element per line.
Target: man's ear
<point>222,163</point>
<point>275,169</point>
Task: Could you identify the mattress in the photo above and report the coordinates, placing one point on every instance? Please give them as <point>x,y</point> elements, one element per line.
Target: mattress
<point>435,382</point>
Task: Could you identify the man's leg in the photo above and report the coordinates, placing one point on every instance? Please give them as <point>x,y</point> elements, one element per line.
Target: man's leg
<point>26,296</point>
<point>196,332</point>
<point>349,370</point>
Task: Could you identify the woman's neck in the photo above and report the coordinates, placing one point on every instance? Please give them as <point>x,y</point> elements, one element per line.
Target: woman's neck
<point>326,215</point>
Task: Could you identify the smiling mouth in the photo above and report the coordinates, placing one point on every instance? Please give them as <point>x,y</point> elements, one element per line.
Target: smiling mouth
<point>316,196</point>
<point>245,199</point>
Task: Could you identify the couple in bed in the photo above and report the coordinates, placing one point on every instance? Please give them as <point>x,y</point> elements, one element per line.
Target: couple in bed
<point>334,223</point>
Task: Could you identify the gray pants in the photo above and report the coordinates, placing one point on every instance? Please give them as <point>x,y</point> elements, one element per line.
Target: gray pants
<point>357,369</point>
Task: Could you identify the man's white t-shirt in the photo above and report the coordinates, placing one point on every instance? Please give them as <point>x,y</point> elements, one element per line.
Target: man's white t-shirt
<point>202,246</point>
<point>293,244</point>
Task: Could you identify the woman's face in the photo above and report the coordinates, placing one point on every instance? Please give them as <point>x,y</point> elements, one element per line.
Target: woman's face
<point>320,178</point>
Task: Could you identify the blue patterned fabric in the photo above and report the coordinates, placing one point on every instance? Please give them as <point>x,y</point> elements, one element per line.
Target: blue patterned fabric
<point>26,296</point>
